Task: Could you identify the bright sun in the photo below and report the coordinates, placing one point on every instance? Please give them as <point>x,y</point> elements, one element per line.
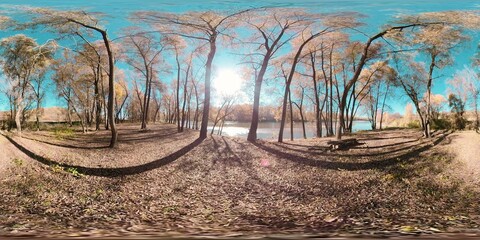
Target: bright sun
<point>227,81</point>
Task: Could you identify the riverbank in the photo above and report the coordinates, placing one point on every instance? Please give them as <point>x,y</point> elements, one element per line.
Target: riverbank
<point>167,183</point>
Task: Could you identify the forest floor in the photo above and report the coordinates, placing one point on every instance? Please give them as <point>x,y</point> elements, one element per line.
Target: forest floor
<point>162,183</point>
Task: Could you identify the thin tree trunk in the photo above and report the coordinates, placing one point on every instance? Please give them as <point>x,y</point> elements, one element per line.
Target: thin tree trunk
<point>291,114</point>
<point>98,110</point>
<point>177,104</point>
<point>318,121</point>
<point>184,97</point>
<point>208,75</point>
<point>429,93</point>
<point>383,106</point>
<point>18,115</point>
<point>111,91</point>
<point>331,92</point>
<point>289,81</point>
<point>300,109</point>
<point>477,120</point>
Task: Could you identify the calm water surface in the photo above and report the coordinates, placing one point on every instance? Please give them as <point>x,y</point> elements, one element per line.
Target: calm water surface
<point>269,130</point>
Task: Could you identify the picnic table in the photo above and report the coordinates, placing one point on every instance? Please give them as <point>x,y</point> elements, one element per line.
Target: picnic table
<point>343,144</point>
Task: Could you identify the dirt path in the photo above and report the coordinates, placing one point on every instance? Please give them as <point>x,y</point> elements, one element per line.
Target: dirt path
<point>466,147</point>
<point>7,153</point>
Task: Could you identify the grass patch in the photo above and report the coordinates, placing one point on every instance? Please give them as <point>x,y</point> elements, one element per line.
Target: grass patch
<point>71,170</point>
<point>414,124</point>
<point>393,128</point>
<point>18,162</point>
<point>56,168</point>
<point>63,132</point>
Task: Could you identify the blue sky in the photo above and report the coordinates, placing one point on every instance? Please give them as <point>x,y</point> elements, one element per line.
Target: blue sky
<point>379,12</point>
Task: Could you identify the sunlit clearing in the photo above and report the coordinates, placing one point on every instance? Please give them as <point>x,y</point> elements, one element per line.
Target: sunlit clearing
<point>227,81</point>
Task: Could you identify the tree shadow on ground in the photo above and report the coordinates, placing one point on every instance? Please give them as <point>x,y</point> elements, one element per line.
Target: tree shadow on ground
<point>111,172</point>
<point>82,141</point>
<point>388,145</point>
<point>354,166</point>
<point>125,135</point>
<point>64,145</point>
<point>326,151</point>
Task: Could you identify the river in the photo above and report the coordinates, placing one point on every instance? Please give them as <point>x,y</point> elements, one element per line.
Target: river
<point>269,130</point>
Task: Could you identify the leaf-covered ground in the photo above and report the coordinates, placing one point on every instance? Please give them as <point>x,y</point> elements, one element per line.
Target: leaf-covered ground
<point>162,182</point>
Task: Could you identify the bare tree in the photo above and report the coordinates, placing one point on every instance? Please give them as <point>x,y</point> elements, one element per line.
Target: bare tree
<point>144,54</point>
<point>300,94</point>
<point>466,86</point>
<point>329,23</point>
<point>365,56</point>
<point>206,27</point>
<point>38,87</point>
<point>23,60</point>
<point>377,80</point>
<point>223,112</point>
<point>71,85</point>
<point>121,92</point>
<point>320,51</point>
<point>74,23</point>
<point>412,79</point>
<point>274,28</point>
<point>436,41</point>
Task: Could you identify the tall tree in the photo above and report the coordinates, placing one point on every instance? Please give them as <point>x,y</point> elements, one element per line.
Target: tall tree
<point>22,61</point>
<point>365,56</point>
<point>465,85</point>
<point>412,79</point>
<point>72,81</point>
<point>143,54</point>
<point>273,29</point>
<point>84,23</point>
<point>206,27</point>
<point>178,46</point>
<point>320,52</point>
<point>38,87</point>
<point>324,24</point>
<point>378,79</point>
<point>436,42</point>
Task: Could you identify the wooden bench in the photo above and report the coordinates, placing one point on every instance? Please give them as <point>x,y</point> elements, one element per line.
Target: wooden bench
<point>343,144</point>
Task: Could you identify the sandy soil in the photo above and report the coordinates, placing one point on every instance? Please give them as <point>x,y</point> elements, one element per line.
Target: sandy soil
<point>466,147</point>
<point>163,182</point>
<point>8,153</point>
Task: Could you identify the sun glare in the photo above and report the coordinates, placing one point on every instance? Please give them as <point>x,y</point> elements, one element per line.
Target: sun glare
<point>227,81</point>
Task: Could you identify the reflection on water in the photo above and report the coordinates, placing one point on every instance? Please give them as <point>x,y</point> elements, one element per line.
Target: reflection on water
<point>269,130</point>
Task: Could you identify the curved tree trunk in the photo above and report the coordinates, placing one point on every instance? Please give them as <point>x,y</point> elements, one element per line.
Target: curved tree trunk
<point>111,91</point>
<point>252,132</point>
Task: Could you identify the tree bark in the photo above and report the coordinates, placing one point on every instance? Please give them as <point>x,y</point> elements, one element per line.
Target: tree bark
<point>252,132</point>
<point>383,106</point>
<point>318,121</point>
<point>289,81</point>
<point>208,75</point>
<point>429,93</point>
<point>291,114</point>
<point>18,115</point>
<point>177,103</point>
<point>111,91</point>
<point>98,110</point>
<point>184,97</point>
